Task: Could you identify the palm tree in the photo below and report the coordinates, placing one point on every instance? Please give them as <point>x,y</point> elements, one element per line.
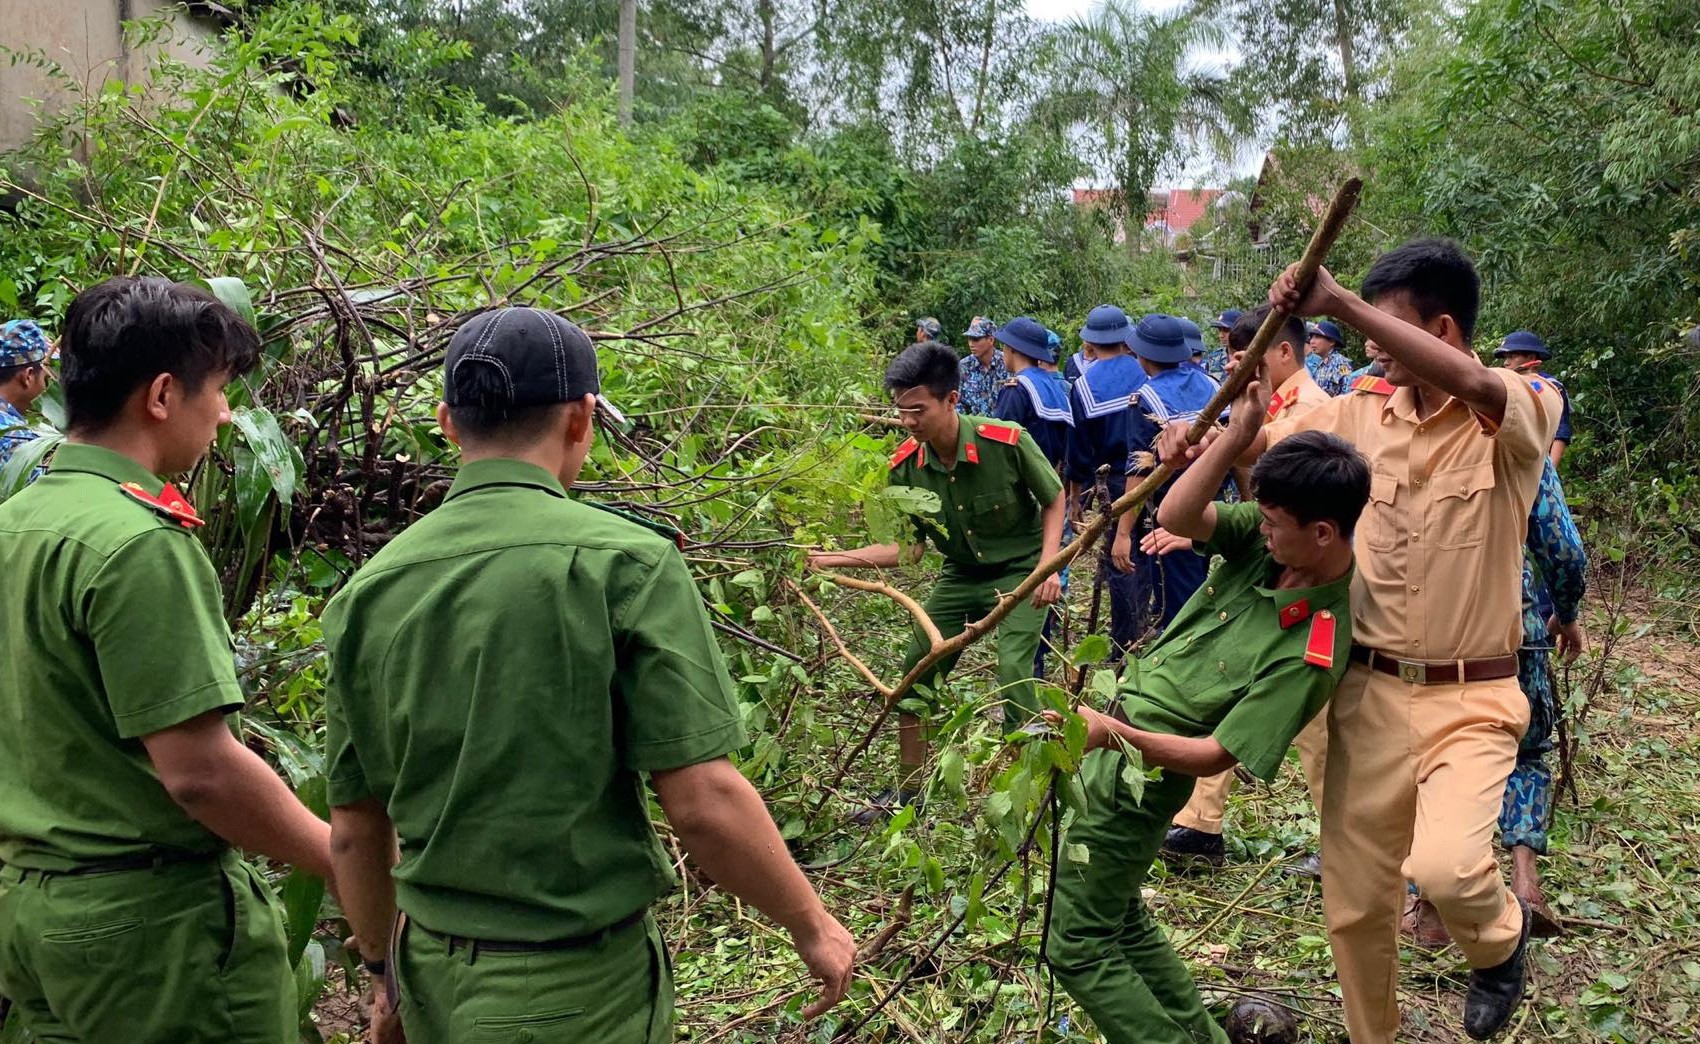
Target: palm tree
<point>1126,87</point>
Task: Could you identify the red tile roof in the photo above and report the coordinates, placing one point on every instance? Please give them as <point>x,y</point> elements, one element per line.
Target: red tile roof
<point>1175,209</point>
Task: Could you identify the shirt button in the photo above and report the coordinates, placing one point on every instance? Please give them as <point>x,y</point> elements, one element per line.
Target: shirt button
<point>1416,482</point>
<point>1210,590</point>
<point>1415,643</point>
<point>1416,536</point>
<point>1415,588</point>
<point>1222,665</point>
<point>1222,615</point>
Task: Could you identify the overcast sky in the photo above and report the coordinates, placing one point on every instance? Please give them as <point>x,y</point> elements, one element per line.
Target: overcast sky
<point>1199,172</point>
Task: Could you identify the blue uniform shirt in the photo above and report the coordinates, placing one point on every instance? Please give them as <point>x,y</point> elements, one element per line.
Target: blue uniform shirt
<point>14,432</point>
<point>1555,567</point>
<point>1173,395</point>
<point>1038,401</point>
<point>1216,362</point>
<point>1099,401</point>
<point>1076,366</point>
<point>979,384</point>
<point>1334,373</point>
<point>1563,432</point>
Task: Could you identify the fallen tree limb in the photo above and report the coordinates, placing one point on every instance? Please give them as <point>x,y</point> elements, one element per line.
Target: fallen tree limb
<point>1321,241</point>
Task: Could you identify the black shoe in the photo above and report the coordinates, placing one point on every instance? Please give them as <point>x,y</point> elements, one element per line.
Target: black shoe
<point>1496,992</point>
<point>1259,1020</point>
<point>884,805</point>
<point>1188,844</point>
<point>1310,866</point>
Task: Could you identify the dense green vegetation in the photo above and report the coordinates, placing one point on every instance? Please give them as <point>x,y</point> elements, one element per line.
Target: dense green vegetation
<point>799,184</point>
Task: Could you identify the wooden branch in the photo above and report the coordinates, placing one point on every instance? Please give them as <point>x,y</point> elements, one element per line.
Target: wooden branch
<point>843,650</point>
<point>925,622</point>
<point>1321,241</point>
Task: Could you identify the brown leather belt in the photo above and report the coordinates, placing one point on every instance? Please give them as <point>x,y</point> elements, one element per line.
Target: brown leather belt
<point>1436,672</point>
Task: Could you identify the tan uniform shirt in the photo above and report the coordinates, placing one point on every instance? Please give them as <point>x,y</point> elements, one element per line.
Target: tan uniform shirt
<point>1440,545</point>
<point>1297,396</point>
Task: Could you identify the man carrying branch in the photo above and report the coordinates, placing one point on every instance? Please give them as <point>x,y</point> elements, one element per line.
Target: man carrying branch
<point>1000,513</point>
<point>1252,656</point>
<point>1424,731</point>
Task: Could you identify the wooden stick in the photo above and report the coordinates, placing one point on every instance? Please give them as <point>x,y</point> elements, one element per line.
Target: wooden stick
<point>1321,241</point>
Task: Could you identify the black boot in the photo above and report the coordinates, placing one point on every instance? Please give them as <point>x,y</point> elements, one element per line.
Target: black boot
<point>1496,992</point>
<point>1187,844</point>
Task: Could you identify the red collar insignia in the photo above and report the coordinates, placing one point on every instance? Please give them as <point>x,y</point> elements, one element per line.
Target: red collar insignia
<point>169,503</point>
<point>907,450</point>
<point>1297,612</point>
<point>972,452</point>
<point>1319,646</point>
<point>1275,405</point>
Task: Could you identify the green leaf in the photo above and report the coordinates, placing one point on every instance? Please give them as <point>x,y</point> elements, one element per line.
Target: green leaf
<point>1092,649</point>
<point>16,474</point>
<point>1133,772</point>
<point>1077,853</point>
<point>912,499</point>
<point>1104,684</point>
<point>233,292</point>
<point>271,449</point>
<point>750,579</point>
<point>935,875</point>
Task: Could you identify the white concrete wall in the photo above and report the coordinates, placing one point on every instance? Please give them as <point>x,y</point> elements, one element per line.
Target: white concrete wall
<point>85,37</point>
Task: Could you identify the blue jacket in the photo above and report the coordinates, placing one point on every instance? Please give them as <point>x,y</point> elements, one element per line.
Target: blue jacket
<point>1099,401</point>
<point>1173,395</point>
<point>1038,401</point>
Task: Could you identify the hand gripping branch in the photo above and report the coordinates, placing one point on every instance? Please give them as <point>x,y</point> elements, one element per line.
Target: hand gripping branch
<point>1321,241</point>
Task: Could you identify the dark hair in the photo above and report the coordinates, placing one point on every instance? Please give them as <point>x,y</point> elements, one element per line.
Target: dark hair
<point>1435,275</point>
<point>8,372</point>
<point>925,364</point>
<point>486,415</point>
<point>1292,330</point>
<point>1315,476</point>
<point>120,335</point>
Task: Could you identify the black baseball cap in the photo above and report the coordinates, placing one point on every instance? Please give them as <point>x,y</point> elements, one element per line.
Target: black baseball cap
<point>540,358</point>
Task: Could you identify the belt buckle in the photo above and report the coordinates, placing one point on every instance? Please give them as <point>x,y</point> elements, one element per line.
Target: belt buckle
<point>1412,672</point>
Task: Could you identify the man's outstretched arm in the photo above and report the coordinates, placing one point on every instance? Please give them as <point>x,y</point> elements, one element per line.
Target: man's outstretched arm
<point>1189,509</point>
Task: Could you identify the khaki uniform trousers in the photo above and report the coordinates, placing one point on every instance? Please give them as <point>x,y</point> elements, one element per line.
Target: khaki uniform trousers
<point>1210,797</point>
<point>1415,778</point>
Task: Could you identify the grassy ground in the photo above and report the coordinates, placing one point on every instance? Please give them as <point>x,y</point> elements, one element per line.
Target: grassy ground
<point>1620,875</point>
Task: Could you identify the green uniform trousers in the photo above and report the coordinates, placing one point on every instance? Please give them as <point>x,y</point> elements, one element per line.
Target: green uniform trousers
<point>186,953</point>
<point>617,990</point>
<point>962,597</point>
<point>1106,950</point>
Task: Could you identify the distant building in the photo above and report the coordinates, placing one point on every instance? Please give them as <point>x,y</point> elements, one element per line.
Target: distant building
<point>1169,213</point>
<point>85,38</point>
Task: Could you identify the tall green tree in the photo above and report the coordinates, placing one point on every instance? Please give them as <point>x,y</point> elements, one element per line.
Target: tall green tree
<point>1127,83</point>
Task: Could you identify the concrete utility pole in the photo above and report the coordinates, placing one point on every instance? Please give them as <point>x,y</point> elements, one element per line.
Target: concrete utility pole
<point>628,58</point>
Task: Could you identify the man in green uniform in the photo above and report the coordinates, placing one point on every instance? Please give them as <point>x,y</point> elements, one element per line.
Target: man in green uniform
<point>1252,656</point>
<point>503,675</point>
<point>124,914</point>
<point>1000,513</point>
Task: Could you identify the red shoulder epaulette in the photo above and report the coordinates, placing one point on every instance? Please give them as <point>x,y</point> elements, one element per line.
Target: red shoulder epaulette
<point>907,450</point>
<point>1000,433</point>
<point>1319,647</point>
<point>169,503</point>
<point>1373,384</point>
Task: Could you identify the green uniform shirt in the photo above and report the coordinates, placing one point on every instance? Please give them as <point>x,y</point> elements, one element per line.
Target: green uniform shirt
<point>501,672</point>
<point>112,630</point>
<point>990,501</point>
<point>1233,664</point>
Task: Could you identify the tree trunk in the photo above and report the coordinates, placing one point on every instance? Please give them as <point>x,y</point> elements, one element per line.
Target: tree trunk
<point>627,58</point>
<point>769,55</point>
<point>1343,37</point>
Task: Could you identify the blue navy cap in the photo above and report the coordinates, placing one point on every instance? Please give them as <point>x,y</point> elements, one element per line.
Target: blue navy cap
<point>1106,324</point>
<point>1160,338</point>
<point>1524,341</point>
<point>1026,336</point>
<point>1194,336</point>
<point>1052,341</point>
<point>22,343</point>
<point>1227,319</point>
<point>1330,330</point>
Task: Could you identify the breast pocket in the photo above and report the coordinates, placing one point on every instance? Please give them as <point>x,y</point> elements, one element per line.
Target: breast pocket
<point>1461,505</point>
<point>997,513</point>
<point>1381,527</point>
